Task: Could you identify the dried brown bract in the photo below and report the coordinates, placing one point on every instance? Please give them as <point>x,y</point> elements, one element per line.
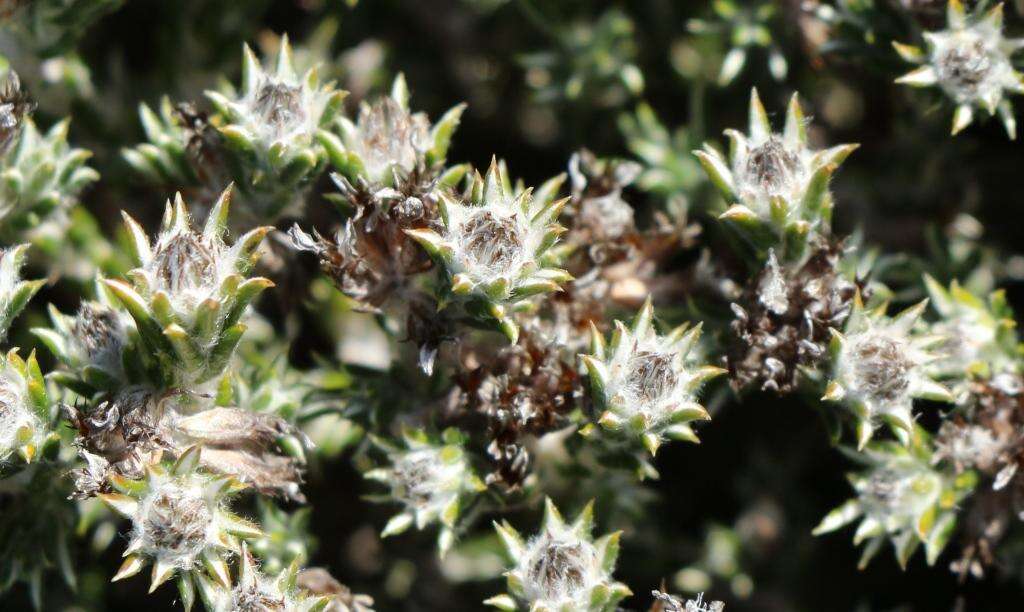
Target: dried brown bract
<point>784,316</point>
<point>524,390</point>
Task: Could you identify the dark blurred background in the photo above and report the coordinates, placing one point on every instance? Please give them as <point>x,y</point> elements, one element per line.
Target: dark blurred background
<point>732,515</point>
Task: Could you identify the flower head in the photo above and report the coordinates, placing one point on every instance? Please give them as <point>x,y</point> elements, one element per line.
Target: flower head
<point>179,523</point>
<point>189,290</point>
<point>388,142</point>
<point>880,366</point>
<point>41,178</point>
<point>257,592</point>
<point>271,128</point>
<point>562,568</point>
<point>901,498</point>
<point>26,416</point>
<point>980,338</point>
<point>494,242</point>
<point>645,383</point>
<point>971,62</point>
<point>776,184</point>
<point>431,480</point>
<point>94,345</point>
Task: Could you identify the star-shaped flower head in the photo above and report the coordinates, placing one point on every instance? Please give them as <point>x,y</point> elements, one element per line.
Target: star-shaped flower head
<point>495,244</point>
<point>902,498</point>
<point>645,383</point>
<point>432,479</point>
<point>388,143</point>
<point>14,292</point>
<point>776,185</point>
<point>190,290</point>
<point>880,364</point>
<point>562,568</point>
<point>41,177</point>
<point>180,523</point>
<point>26,415</point>
<point>971,62</point>
<point>96,345</point>
<point>271,125</point>
<point>980,337</point>
<point>258,592</point>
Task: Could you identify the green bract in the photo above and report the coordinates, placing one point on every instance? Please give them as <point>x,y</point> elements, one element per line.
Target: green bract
<point>26,415</point>
<point>562,568</point>
<point>257,591</point>
<point>163,159</point>
<point>96,346</point>
<point>644,383</point>
<point>190,290</point>
<point>901,498</point>
<point>432,480</point>
<point>745,29</point>
<point>971,62</point>
<point>40,179</point>
<point>775,184</point>
<point>179,524</point>
<point>880,365</point>
<point>271,128</point>
<point>980,337</point>
<point>387,143</point>
<point>14,292</point>
<point>494,243</point>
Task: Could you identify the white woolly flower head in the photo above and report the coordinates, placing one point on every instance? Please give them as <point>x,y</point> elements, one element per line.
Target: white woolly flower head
<point>880,366</point>
<point>775,181</point>
<point>979,335</point>
<point>277,107</point>
<point>180,522</point>
<point>495,243</point>
<point>190,289</point>
<point>902,498</point>
<point>562,568</point>
<point>91,344</point>
<point>971,62</point>
<point>25,411</point>
<point>431,479</point>
<point>388,143</point>
<point>257,592</point>
<point>646,383</point>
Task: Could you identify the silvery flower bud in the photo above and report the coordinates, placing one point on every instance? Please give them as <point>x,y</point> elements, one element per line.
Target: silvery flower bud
<point>562,568</point>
